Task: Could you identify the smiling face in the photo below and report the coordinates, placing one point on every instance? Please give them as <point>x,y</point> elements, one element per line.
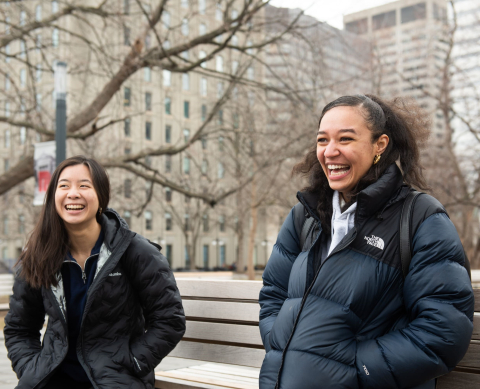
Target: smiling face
<point>76,200</point>
<point>345,149</point>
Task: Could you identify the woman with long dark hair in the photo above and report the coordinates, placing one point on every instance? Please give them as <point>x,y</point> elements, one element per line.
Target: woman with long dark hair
<point>113,307</point>
<point>337,309</point>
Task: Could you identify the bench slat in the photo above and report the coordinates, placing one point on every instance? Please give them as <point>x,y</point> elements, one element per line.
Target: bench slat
<point>239,312</point>
<point>231,289</point>
<point>472,357</point>
<point>174,383</point>
<point>232,333</point>
<point>459,380</point>
<point>476,293</point>
<point>194,378</point>
<point>476,326</point>
<point>219,353</point>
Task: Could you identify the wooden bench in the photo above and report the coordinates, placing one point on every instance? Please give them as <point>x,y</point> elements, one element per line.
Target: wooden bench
<point>223,340</point>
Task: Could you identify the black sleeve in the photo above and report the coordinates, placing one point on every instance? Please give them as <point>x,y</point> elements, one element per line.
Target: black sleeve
<point>23,323</point>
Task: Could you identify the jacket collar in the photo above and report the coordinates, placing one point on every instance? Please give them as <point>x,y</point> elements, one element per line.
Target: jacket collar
<point>114,227</point>
<point>371,200</point>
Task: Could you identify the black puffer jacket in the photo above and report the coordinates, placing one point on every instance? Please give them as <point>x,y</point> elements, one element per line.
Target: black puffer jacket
<point>133,317</point>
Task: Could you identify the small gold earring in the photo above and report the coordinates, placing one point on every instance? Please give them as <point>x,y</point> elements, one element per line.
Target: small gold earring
<point>376,159</point>
<point>100,210</point>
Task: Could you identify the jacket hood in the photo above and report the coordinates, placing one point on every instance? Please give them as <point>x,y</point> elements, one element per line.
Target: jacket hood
<point>371,200</point>
<point>114,227</point>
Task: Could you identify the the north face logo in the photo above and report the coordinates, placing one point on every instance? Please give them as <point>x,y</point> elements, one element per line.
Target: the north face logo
<point>375,241</point>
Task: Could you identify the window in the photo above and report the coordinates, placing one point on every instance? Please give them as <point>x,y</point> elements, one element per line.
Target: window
<point>38,42</point>
<point>7,82</point>
<point>55,37</point>
<point>234,67</point>
<point>23,135</point>
<point>205,223</point>
<point>185,81</point>
<point>234,14</point>
<point>23,17</point>
<point>250,49</point>
<point>220,143</point>
<point>203,87</point>
<point>204,143</point>
<point>250,73</point>
<point>21,224</point>
<point>148,221</point>
<point>127,151</point>
<point>234,40</point>
<point>127,188</point>
<point>202,29</point>
<point>384,20</point>
<point>204,112</point>
<point>7,25</point>
<point>187,257</point>
<point>127,216</point>
<point>205,256</point>
<point>168,222</point>
<point>168,194</point>
<point>168,254</point>
<point>358,26</point>
<point>148,130</point>
<point>168,163</point>
<point>6,164</point>
<point>148,41</point>
<point>221,223</point>
<point>126,36</point>
<point>126,97</point>
<point>23,48</point>
<point>202,6</point>
<point>186,109</point>
<point>220,117</point>
<point>168,105</point>
<point>168,134</point>
<point>7,109</point>
<point>204,167</point>
<point>7,139</point>
<point>184,3</point>
<point>5,253</point>
<point>126,7</point>
<point>414,12</point>
<point>220,170</point>
<point>148,101</point>
<point>236,121</point>
<point>166,19</point>
<point>38,73</point>
<point>184,27</point>
<point>219,90</point>
<point>23,77</point>
<point>147,74</point>
<point>202,55</point>
<point>219,13</point>
<point>185,55</point>
<point>186,134</point>
<point>127,128</point>
<point>219,63</point>
<point>5,225</point>
<point>186,222</point>
<point>38,13</point>
<point>166,44</point>
<point>167,77</point>
<point>186,165</point>
<point>54,6</point>
<point>222,255</point>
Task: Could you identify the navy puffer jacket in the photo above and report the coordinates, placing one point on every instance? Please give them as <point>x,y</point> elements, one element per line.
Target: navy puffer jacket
<point>356,323</point>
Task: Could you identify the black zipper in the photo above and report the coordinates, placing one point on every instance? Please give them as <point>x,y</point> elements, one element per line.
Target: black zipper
<point>84,275</point>
<point>304,299</point>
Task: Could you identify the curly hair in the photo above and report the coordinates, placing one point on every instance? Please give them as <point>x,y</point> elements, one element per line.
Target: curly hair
<point>405,123</point>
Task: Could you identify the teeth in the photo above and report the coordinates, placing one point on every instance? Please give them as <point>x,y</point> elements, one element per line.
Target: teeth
<point>333,167</point>
<point>338,173</point>
<point>72,207</point>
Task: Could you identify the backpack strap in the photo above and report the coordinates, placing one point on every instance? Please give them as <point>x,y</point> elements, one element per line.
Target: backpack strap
<point>303,224</point>
<point>405,223</point>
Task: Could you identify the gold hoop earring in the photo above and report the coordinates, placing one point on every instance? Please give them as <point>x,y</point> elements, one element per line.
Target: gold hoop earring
<point>376,159</point>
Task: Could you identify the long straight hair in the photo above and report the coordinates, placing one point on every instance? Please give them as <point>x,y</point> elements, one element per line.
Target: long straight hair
<point>48,243</point>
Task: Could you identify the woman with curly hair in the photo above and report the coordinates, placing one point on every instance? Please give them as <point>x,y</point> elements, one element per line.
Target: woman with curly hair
<point>337,310</point>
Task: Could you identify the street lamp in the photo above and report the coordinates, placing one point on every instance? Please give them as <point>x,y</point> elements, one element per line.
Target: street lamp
<point>60,78</point>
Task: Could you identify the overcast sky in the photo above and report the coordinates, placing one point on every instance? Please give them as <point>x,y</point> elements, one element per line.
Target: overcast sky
<point>330,11</point>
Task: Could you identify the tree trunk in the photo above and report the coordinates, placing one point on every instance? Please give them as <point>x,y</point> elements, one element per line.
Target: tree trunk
<point>253,232</point>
